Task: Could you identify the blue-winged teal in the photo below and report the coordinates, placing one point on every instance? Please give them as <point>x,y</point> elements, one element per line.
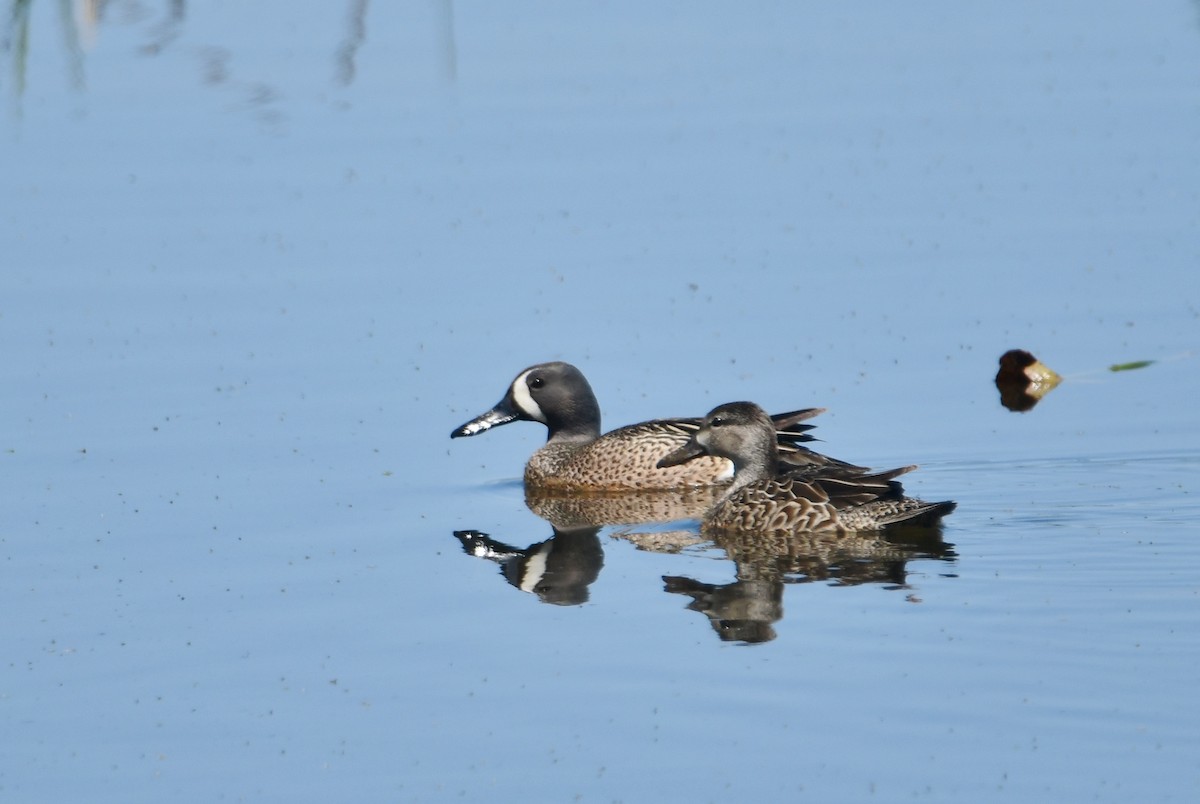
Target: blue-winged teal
<point>813,499</point>
<point>576,457</point>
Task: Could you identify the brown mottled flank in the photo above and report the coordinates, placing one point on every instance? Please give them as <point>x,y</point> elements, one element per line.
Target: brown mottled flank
<point>791,505</point>
<point>623,459</point>
<point>775,507</point>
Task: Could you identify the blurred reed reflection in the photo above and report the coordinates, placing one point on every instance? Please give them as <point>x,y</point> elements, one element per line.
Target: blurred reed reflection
<point>162,25</point>
<point>77,22</point>
<point>356,33</point>
<point>163,32</point>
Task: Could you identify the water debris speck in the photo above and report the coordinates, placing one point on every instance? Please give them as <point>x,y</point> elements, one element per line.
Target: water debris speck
<point>1136,364</point>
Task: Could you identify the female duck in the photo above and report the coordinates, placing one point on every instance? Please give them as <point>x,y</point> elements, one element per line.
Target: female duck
<point>813,499</point>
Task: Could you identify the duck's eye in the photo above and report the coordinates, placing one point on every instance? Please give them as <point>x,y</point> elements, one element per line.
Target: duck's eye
<point>536,382</point>
<point>717,421</point>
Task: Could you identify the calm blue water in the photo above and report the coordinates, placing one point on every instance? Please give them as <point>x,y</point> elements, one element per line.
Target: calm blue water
<point>258,264</point>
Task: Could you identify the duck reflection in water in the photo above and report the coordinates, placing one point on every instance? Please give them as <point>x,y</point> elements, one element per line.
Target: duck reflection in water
<point>747,609</point>
<point>621,508</point>
<point>558,570</point>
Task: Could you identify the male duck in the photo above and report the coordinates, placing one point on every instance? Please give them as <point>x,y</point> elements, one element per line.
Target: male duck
<point>576,457</point>
<point>813,499</point>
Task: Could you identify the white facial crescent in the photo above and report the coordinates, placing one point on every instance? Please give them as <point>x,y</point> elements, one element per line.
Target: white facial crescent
<point>524,400</point>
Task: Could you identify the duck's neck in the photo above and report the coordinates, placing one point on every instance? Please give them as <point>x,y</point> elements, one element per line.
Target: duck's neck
<point>578,433</point>
<point>577,423</point>
<point>761,465</point>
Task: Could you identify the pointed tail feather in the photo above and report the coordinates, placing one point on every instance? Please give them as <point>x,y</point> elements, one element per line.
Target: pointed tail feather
<point>921,513</point>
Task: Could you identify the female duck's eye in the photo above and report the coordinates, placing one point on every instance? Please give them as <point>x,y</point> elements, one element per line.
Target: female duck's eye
<point>716,422</point>
<point>536,382</point>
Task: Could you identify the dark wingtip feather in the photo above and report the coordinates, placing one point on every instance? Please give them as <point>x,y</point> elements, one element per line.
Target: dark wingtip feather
<point>788,427</point>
